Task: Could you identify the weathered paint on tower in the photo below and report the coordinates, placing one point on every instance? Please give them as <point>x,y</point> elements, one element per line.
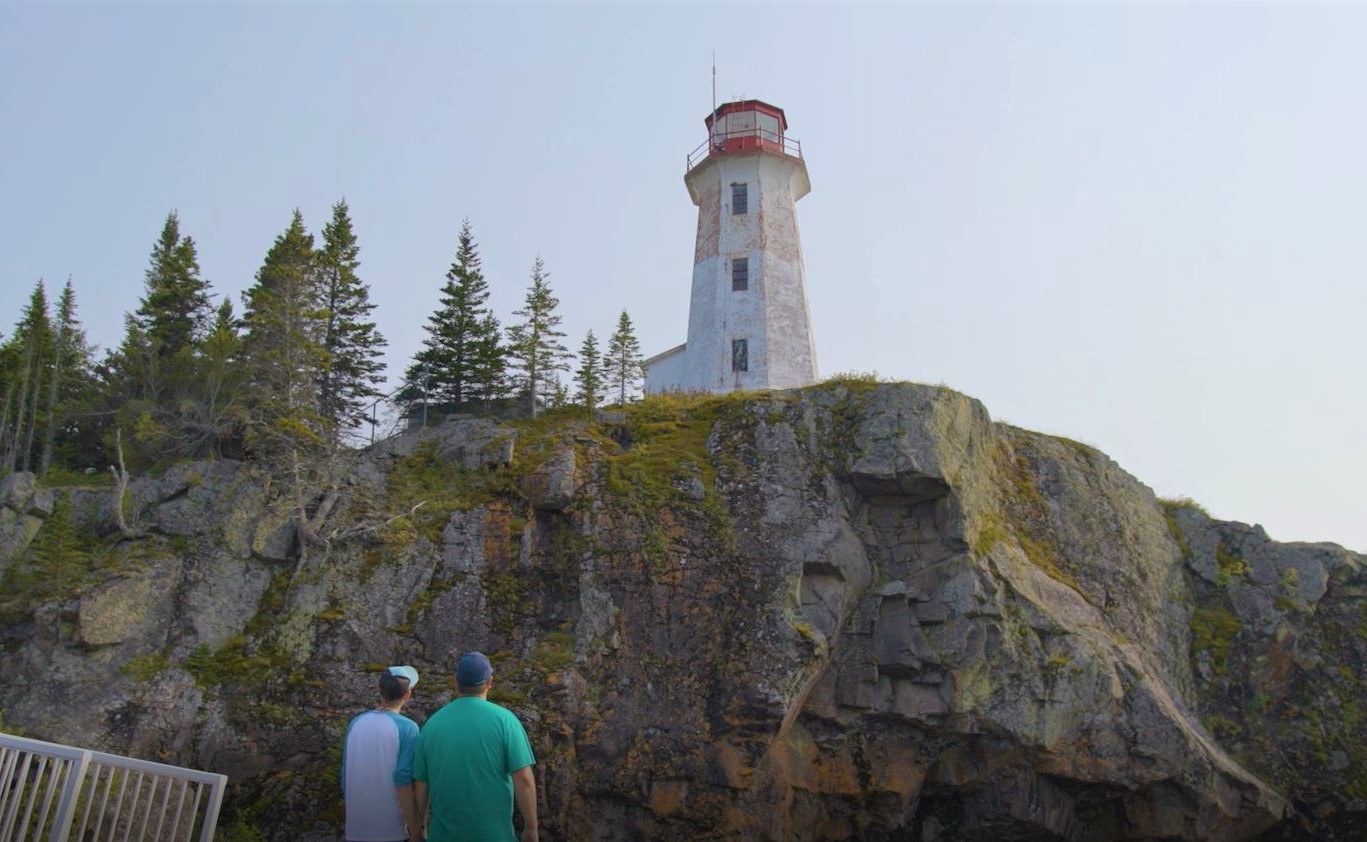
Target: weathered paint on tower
<point>748,323</point>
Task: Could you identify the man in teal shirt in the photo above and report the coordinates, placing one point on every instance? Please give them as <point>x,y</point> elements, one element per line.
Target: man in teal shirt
<point>473,761</point>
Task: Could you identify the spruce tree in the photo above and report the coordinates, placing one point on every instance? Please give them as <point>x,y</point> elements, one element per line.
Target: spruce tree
<point>624,366</point>
<point>175,308</point>
<point>353,345</point>
<point>534,347</point>
<point>220,416</point>
<point>488,371</point>
<point>589,376</point>
<point>152,385</point>
<point>283,353</point>
<point>70,371</point>
<point>458,360</point>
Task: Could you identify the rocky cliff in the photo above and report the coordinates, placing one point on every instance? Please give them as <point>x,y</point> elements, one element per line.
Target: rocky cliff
<point>855,611</point>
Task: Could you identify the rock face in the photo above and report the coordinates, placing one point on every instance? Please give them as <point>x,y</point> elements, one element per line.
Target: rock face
<point>847,612</point>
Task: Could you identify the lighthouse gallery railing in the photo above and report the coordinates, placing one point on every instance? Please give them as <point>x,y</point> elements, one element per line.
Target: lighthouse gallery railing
<point>57,793</point>
<point>744,140</point>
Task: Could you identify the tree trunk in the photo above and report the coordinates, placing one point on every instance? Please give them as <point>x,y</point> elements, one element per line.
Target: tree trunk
<point>7,435</point>
<point>121,490</point>
<point>16,457</point>
<point>32,420</point>
<point>50,434</point>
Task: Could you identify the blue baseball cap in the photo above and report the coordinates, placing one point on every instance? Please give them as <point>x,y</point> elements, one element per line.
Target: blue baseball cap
<point>473,669</point>
<point>405,672</point>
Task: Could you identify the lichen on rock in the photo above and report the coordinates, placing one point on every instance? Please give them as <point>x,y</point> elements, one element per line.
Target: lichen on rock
<point>853,611</point>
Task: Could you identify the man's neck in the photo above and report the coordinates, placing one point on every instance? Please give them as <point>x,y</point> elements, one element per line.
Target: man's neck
<point>392,707</point>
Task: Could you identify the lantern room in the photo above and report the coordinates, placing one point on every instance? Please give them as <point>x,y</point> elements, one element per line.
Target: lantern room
<point>745,126</point>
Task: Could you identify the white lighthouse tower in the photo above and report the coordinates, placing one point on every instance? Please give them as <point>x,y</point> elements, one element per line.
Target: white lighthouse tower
<point>748,325</point>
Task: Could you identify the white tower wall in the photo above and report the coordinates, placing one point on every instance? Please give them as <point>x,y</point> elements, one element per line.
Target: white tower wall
<point>771,315</point>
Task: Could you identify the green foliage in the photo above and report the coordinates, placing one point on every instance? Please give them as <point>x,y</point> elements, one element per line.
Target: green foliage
<point>1056,664</point>
<point>283,353</point>
<point>504,593</point>
<point>554,653</point>
<point>534,347</point>
<point>145,667</point>
<point>283,350</point>
<point>1182,503</point>
<point>239,830</point>
<point>461,358</point>
<point>1231,565</point>
<point>29,358</point>
<point>588,378</point>
<point>1288,586</point>
<point>991,531</point>
<point>441,488</point>
<point>63,477</point>
<point>855,381</point>
<point>175,380</point>
<point>175,309</point>
<point>624,368</point>
<point>202,664</point>
<point>1222,727</point>
<point>232,662</point>
<point>668,434</point>
<point>1213,628</point>
<point>60,562</point>
<point>1174,528</point>
<point>1024,515</point>
<point>352,347</point>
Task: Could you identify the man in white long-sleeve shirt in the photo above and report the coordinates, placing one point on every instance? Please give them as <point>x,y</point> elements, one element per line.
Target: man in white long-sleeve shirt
<point>377,766</point>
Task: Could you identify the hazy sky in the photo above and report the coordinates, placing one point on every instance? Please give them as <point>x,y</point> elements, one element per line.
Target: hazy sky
<point>1141,226</point>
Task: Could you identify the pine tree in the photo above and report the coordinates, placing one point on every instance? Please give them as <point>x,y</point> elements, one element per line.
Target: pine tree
<point>283,355</point>
<point>175,308</point>
<point>589,377</point>
<point>625,370</point>
<point>534,347</point>
<point>353,345</point>
<point>458,361</point>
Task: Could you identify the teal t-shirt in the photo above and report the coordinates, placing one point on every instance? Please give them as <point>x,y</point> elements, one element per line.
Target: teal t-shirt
<point>466,754</point>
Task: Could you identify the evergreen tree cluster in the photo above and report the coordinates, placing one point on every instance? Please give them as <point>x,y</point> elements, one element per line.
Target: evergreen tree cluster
<point>469,363</point>
<point>290,381</point>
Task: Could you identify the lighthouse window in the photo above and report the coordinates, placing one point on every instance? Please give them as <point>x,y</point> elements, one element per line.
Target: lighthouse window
<point>740,355</point>
<point>768,128</point>
<point>740,274</point>
<point>740,198</point>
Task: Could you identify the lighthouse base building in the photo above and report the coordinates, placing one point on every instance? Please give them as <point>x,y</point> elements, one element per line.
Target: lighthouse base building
<point>748,322</point>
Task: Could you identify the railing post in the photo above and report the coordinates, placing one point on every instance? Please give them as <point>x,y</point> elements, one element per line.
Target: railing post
<point>71,796</point>
<point>211,810</point>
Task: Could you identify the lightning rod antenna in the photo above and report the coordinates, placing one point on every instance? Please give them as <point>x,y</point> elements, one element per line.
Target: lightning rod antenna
<point>714,84</point>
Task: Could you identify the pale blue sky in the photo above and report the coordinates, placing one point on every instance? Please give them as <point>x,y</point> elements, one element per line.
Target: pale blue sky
<point>1141,226</point>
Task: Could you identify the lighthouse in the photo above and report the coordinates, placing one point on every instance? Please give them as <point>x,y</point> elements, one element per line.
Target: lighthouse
<point>748,324</point>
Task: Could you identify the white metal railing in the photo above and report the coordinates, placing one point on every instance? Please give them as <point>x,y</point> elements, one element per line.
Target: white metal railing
<point>55,793</point>
<point>743,140</point>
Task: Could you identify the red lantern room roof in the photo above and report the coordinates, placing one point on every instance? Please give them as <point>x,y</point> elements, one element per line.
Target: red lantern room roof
<point>747,105</point>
